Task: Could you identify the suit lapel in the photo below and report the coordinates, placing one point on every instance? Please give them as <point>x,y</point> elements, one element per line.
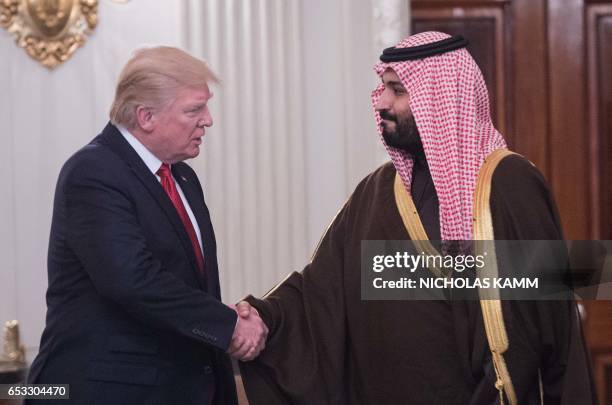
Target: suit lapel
<point>192,195</point>
<point>113,139</point>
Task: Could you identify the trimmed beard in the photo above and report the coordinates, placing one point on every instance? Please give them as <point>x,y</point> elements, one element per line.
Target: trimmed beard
<point>406,134</point>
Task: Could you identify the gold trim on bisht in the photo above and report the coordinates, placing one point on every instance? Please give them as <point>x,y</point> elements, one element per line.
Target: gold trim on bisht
<point>484,237</point>
<point>414,226</point>
<point>50,31</point>
<point>490,303</point>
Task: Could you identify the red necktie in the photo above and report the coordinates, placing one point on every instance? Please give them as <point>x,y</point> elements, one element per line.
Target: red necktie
<point>167,183</point>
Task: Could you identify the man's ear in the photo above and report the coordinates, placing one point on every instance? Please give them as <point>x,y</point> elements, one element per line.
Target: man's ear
<point>145,118</point>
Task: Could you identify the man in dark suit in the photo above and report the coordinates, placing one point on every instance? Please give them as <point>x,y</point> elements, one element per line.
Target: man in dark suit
<point>134,312</point>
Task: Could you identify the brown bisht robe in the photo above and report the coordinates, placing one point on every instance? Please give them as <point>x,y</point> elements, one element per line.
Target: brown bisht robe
<point>327,346</point>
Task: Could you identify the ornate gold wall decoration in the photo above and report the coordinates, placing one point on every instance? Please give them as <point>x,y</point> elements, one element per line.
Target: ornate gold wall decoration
<point>50,31</point>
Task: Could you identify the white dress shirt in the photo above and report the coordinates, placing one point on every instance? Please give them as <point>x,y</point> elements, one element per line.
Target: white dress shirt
<point>153,163</point>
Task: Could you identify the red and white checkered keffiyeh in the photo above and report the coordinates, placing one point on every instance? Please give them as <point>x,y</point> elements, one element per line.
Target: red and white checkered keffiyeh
<point>450,103</point>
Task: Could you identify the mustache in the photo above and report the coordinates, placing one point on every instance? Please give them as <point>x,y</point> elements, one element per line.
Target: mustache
<point>386,115</point>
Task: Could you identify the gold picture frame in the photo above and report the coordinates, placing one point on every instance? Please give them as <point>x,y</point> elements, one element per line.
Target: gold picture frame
<point>50,31</point>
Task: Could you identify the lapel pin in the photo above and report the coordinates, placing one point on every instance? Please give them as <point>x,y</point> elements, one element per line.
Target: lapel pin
<point>184,179</point>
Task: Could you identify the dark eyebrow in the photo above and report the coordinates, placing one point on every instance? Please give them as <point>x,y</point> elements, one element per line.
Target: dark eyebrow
<point>393,83</point>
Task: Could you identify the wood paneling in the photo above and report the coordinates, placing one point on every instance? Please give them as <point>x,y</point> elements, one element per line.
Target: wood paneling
<point>568,141</point>
<point>483,24</point>
<point>598,334</point>
<point>598,325</point>
<point>603,377</point>
<point>599,59</point>
<point>598,328</point>
<point>530,80</point>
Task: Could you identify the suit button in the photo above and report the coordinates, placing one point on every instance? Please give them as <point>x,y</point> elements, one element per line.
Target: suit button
<point>208,370</point>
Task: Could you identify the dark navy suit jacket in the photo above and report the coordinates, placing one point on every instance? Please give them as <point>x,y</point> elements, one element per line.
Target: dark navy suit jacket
<point>129,319</point>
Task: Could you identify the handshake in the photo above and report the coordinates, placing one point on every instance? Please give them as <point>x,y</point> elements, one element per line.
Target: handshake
<point>250,333</point>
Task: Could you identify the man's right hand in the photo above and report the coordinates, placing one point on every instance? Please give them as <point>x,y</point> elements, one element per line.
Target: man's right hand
<point>250,334</point>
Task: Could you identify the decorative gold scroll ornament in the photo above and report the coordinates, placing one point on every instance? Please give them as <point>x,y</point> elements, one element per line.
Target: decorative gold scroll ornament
<point>13,352</point>
<point>50,31</point>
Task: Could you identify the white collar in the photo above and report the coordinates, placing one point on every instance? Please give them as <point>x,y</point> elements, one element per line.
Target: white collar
<point>152,161</point>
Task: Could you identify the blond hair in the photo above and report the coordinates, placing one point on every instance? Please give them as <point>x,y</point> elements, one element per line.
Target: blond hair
<point>152,77</point>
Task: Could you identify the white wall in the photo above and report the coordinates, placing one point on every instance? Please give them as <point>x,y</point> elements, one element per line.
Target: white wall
<point>293,128</point>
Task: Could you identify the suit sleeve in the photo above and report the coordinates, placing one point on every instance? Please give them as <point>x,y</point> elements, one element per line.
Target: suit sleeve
<point>105,234</point>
